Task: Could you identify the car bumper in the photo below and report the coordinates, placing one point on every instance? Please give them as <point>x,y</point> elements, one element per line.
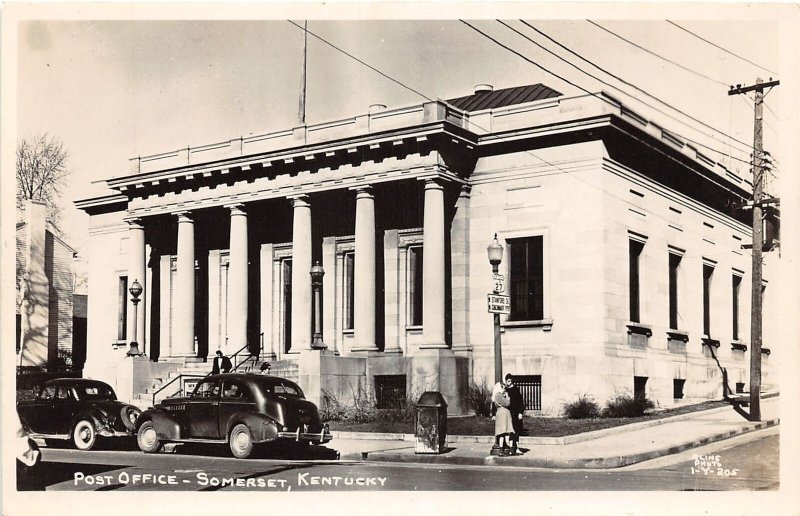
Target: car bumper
<point>318,437</point>
<point>105,432</point>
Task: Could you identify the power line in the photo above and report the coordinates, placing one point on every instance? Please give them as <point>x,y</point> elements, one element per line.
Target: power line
<point>701,38</point>
<point>591,94</point>
<point>539,158</point>
<point>603,99</point>
<point>360,61</point>
<point>637,88</point>
<point>657,55</point>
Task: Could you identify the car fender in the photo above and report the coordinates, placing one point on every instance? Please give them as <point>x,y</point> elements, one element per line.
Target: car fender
<point>262,428</point>
<point>97,418</point>
<point>167,427</point>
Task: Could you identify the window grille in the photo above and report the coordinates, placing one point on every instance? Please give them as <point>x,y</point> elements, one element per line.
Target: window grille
<point>530,386</point>
<point>390,390</point>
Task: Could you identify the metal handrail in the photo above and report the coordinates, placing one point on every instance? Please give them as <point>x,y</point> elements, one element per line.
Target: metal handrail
<point>179,377</point>
<point>195,375</point>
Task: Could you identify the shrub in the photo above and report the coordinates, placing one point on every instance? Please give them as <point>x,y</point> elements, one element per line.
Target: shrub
<point>625,405</point>
<point>360,410</point>
<point>582,408</point>
<point>478,398</point>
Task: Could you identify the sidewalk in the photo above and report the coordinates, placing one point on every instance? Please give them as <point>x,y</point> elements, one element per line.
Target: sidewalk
<point>609,448</point>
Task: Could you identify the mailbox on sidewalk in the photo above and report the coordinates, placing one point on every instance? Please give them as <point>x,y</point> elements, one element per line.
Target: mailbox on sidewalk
<point>430,423</point>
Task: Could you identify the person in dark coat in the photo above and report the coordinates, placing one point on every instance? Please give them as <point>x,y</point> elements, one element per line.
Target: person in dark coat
<point>221,364</point>
<point>516,407</point>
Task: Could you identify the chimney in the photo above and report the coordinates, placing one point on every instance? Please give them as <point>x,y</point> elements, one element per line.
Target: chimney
<point>483,88</point>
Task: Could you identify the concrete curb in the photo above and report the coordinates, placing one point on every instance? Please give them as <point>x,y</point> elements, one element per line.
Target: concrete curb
<point>556,462</point>
<point>567,439</point>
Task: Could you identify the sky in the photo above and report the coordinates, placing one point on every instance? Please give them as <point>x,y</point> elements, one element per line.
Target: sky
<point>116,89</point>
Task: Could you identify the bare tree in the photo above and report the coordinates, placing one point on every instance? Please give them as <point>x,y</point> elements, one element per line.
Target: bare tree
<point>41,172</point>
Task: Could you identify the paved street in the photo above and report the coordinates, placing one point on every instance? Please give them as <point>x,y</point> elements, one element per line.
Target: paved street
<point>748,462</point>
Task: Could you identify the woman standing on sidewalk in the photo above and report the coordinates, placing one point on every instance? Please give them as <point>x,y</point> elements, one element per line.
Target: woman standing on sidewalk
<point>503,424</point>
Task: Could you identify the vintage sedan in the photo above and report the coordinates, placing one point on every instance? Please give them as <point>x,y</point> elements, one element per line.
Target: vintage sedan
<point>239,409</point>
<point>77,409</point>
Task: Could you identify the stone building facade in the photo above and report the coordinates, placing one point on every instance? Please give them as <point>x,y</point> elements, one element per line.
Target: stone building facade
<point>623,254</point>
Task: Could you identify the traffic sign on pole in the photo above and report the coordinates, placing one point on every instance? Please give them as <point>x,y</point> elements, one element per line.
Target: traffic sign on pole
<point>499,304</point>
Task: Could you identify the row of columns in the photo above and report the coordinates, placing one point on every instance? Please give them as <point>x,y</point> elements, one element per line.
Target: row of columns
<point>183,307</point>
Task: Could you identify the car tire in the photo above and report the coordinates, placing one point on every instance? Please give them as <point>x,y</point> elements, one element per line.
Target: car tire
<point>241,442</point>
<point>127,413</point>
<point>84,435</point>
<point>147,438</point>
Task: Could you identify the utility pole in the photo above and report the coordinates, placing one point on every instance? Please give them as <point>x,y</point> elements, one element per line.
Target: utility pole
<point>758,242</point>
<point>302,108</point>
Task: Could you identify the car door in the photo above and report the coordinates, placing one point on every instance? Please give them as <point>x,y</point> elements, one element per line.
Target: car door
<point>37,413</point>
<point>64,408</point>
<point>236,397</point>
<point>202,410</point>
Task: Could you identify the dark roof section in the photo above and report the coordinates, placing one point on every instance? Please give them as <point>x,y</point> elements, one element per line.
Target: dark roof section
<point>504,97</point>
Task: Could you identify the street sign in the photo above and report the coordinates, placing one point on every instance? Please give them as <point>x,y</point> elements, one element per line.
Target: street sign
<point>499,304</point>
<point>498,282</point>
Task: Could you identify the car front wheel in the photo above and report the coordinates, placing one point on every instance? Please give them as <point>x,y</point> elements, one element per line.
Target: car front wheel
<point>84,435</point>
<point>241,441</point>
<point>147,438</point>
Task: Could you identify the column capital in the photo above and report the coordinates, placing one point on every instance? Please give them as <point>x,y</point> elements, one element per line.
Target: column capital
<point>134,223</point>
<point>433,183</point>
<point>184,216</point>
<point>299,201</point>
<point>363,192</point>
<point>237,209</point>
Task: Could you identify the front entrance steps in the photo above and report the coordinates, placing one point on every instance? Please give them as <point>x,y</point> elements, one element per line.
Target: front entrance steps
<point>186,372</point>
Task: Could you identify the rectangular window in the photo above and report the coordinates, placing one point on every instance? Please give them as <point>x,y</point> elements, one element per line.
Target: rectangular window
<point>737,283</point>
<point>708,272</point>
<point>349,291</point>
<point>674,265</point>
<point>122,309</point>
<point>415,298</point>
<point>526,273</point>
<point>530,387</point>
<point>390,390</point>
<point>286,272</point>
<point>634,252</point>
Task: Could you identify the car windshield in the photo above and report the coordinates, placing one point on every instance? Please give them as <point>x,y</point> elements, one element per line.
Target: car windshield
<point>95,391</point>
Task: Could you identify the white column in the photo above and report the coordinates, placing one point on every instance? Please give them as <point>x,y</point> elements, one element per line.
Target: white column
<point>136,272</point>
<point>301,277</point>
<point>237,281</point>
<point>364,278</point>
<point>183,294</point>
<point>433,267</point>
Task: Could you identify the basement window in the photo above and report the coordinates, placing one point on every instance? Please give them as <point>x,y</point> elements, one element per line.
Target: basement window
<point>390,390</point>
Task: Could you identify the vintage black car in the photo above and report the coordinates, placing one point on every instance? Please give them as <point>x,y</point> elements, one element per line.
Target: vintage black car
<point>77,409</point>
<point>240,409</point>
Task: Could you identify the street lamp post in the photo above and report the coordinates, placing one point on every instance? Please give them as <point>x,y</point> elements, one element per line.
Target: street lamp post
<point>136,291</point>
<point>317,272</point>
<point>495,252</point>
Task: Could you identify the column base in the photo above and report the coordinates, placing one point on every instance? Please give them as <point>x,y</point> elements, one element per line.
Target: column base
<point>434,369</point>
